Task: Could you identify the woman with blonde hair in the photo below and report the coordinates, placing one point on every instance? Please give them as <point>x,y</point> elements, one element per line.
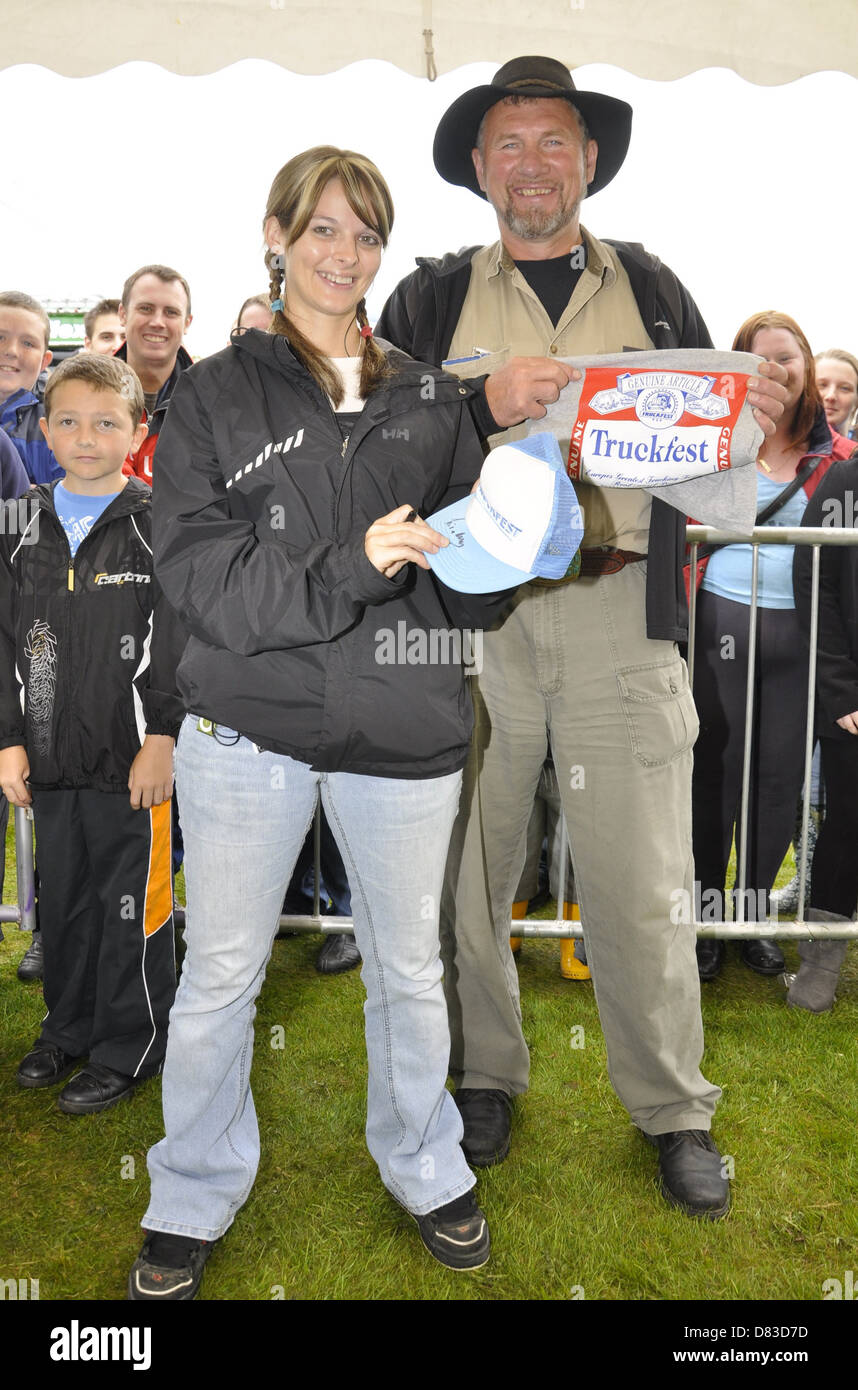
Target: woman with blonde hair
<point>294,469</point>
<point>837,379</point>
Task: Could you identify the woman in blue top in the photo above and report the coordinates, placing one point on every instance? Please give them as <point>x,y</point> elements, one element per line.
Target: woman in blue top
<point>802,443</point>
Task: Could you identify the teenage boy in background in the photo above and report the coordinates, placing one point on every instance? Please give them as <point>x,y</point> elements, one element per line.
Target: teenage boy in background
<point>82,620</point>
<point>25,330</point>
<point>13,483</point>
<point>103,331</point>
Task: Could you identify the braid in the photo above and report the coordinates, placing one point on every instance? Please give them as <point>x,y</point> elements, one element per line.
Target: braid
<point>316,362</point>
<point>273,262</point>
<point>374,367</point>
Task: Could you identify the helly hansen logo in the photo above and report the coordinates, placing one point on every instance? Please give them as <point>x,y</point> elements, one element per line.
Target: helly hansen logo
<point>281,447</point>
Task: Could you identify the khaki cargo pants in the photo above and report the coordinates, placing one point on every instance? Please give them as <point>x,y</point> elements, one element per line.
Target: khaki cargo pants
<point>572,665</point>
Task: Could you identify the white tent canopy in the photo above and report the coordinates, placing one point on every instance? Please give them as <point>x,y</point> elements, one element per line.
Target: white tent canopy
<point>764,41</point>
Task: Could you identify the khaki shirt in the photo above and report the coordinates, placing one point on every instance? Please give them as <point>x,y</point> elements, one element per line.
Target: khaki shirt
<point>504,316</point>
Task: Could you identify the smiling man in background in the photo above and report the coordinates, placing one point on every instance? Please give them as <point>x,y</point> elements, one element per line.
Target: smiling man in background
<point>155,312</point>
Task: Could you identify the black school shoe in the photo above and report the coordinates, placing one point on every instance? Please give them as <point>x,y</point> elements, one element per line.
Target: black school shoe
<point>763,956</point>
<point>168,1267</point>
<point>338,954</point>
<point>691,1173</point>
<point>457,1234</point>
<point>33,961</point>
<point>711,954</point>
<point>45,1065</point>
<point>96,1088</point>
<point>486,1117</point>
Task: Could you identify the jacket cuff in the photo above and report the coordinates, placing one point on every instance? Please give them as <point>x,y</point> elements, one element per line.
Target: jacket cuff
<point>351,564</point>
<point>479,406</point>
<point>164,713</point>
<point>163,728</point>
<point>839,705</point>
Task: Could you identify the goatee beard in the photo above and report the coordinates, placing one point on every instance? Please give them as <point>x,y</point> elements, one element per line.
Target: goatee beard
<point>535,224</point>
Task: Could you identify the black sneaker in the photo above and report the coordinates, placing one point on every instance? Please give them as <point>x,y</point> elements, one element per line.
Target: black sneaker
<point>168,1266</point>
<point>456,1234</point>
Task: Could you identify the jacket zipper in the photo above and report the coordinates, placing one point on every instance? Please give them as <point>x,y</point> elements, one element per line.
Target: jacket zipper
<point>68,648</point>
<point>70,632</point>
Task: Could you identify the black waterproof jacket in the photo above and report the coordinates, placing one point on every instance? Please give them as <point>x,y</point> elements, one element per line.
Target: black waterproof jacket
<point>421,316</point>
<point>90,643</point>
<point>834,503</point>
<point>261,510</point>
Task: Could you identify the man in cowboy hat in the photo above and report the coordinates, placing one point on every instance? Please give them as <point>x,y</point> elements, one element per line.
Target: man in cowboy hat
<point>588,667</point>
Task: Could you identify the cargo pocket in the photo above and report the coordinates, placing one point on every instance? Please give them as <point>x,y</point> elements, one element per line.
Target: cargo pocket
<point>659,710</point>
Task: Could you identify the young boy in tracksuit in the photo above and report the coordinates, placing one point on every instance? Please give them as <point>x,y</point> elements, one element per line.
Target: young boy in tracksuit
<point>89,647</point>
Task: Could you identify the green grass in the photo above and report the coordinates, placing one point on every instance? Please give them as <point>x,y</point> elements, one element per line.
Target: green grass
<point>575,1205</point>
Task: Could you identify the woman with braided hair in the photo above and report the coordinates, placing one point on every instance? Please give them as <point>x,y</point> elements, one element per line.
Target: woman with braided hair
<point>295,467</point>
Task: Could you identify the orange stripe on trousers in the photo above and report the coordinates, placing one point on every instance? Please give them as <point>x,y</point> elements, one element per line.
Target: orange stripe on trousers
<point>159,881</point>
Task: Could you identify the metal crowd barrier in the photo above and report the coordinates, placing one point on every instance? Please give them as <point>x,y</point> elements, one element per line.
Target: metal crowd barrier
<point>24,915</point>
<point>740,929</point>
<point>24,911</point>
<point>814,536</point>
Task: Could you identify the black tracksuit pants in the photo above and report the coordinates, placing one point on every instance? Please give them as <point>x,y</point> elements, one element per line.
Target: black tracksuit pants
<point>106,911</point>
<point>834,882</point>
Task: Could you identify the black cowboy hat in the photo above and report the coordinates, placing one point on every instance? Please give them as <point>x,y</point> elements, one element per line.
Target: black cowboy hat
<point>608,120</point>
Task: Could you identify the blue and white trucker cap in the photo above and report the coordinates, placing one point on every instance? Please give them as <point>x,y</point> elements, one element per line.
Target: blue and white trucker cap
<point>523,522</point>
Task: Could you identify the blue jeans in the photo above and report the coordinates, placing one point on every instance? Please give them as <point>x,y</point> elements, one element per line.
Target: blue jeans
<point>245,815</point>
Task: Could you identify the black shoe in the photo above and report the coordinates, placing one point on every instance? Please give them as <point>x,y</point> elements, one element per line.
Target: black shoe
<point>764,956</point>
<point>486,1116</point>
<point>96,1088</point>
<point>32,963</point>
<point>168,1266</point>
<point>691,1173</point>
<point>45,1065</point>
<point>456,1234</point>
<point>710,957</point>
<point>338,954</point>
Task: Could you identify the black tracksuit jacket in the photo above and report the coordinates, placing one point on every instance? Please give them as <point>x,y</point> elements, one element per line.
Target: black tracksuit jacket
<point>834,503</point>
<point>421,316</point>
<point>260,513</point>
<point>90,641</point>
